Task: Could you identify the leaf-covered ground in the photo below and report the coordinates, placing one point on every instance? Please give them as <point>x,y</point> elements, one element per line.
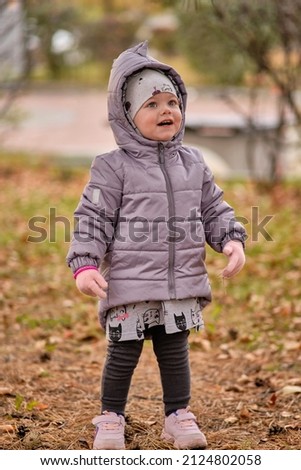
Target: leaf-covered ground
<point>246,365</point>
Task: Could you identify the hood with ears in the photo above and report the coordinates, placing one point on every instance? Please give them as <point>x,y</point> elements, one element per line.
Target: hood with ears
<point>127,63</point>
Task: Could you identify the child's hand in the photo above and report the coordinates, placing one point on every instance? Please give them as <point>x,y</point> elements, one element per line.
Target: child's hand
<point>235,252</point>
<point>91,282</point>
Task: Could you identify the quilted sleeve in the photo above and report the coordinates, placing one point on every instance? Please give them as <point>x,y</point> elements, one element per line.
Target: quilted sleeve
<point>218,216</point>
<point>96,216</point>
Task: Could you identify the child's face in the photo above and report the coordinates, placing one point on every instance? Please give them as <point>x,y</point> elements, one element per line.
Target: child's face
<point>160,117</point>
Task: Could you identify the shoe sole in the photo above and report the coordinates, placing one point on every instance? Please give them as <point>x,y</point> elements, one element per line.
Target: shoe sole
<point>109,447</point>
<point>193,444</point>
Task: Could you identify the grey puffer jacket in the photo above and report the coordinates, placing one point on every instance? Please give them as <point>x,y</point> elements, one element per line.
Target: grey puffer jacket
<point>149,208</point>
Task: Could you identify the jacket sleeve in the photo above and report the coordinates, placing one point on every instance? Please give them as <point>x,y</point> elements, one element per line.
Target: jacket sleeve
<point>96,216</point>
<point>218,216</point>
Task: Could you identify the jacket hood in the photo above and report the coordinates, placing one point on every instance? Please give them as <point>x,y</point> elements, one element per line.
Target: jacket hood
<point>127,63</point>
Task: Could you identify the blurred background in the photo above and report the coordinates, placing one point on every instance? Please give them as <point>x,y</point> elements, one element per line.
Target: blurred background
<point>240,62</point>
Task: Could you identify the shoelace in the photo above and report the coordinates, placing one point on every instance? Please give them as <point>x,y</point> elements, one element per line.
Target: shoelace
<point>186,423</point>
<point>109,426</point>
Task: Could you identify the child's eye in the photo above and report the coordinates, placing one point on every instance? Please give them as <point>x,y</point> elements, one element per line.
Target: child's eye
<point>173,103</point>
<point>151,104</point>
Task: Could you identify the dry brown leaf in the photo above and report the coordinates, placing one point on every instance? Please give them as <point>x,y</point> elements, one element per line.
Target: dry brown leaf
<point>41,406</point>
<point>234,388</point>
<point>201,343</point>
<point>6,428</point>
<point>288,390</point>
<point>272,399</point>
<point>244,413</point>
<point>291,345</point>
<point>243,379</point>
<point>286,414</point>
<point>231,420</point>
<point>295,381</point>
<point>6,391</point>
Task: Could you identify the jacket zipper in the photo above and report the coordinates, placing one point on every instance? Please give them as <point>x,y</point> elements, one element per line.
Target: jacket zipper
<point>171,214</point>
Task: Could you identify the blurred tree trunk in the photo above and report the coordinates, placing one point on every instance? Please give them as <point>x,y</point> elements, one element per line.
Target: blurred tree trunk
<point>14,60</point>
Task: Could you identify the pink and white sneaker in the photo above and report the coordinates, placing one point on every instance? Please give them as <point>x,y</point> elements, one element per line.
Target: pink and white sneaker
<point>182,431</point>
<point>109,432</point>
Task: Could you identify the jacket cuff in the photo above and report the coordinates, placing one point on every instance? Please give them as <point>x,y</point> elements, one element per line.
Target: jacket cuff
<point>84,268</point>
<point>81,261</point>
<point>235,235</point>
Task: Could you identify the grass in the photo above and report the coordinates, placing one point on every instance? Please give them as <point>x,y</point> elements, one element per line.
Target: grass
<point>39,197</point>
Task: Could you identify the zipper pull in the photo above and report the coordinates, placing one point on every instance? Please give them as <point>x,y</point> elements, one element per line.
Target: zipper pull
<point>161,153</point>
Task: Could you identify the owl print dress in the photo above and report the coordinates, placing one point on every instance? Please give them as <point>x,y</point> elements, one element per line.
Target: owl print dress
<point>134,321</point>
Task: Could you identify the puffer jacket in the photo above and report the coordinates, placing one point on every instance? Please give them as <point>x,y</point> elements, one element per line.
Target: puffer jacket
<point>149,207</point>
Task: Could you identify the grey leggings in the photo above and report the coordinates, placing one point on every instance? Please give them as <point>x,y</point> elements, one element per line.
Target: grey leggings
<point>173,358</point>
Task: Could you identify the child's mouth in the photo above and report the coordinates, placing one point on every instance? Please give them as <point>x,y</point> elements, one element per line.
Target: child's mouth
<point>165,123</point>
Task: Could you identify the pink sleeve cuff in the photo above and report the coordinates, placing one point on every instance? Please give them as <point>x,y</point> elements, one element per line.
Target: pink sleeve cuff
<point>83,268</point>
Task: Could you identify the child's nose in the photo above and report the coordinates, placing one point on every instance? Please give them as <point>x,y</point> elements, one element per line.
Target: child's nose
<point>165,109</point>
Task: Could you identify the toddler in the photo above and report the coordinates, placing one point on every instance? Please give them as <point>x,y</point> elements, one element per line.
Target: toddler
<point>144,218</point>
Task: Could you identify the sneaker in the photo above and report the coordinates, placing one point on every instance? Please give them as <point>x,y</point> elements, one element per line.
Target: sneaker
<point>109,432</point>
<point>182,431</point>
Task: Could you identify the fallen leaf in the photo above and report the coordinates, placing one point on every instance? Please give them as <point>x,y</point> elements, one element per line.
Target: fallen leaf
<point>231,420</point>
<point>295,381</point>
<point>6,391</point>
<point>234,388</point>
<point>41,406</point>
<point>244,413</point>
<point>68,303</point>
<point>32,440</point>
<point>206,345</point>
<point>68,334</point>
<point>84,443</point>
<point>254,407</point>
<point>286,414</point>
<point>222,356</point>
<point>6,428</point>
<point>201,343</point>
<point>272,399</point>
<point>243,379</point>
<point>292,345</point>
<point>288,390</point>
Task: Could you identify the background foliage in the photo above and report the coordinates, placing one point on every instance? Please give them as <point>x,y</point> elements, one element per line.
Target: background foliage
<point>247,361</point>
